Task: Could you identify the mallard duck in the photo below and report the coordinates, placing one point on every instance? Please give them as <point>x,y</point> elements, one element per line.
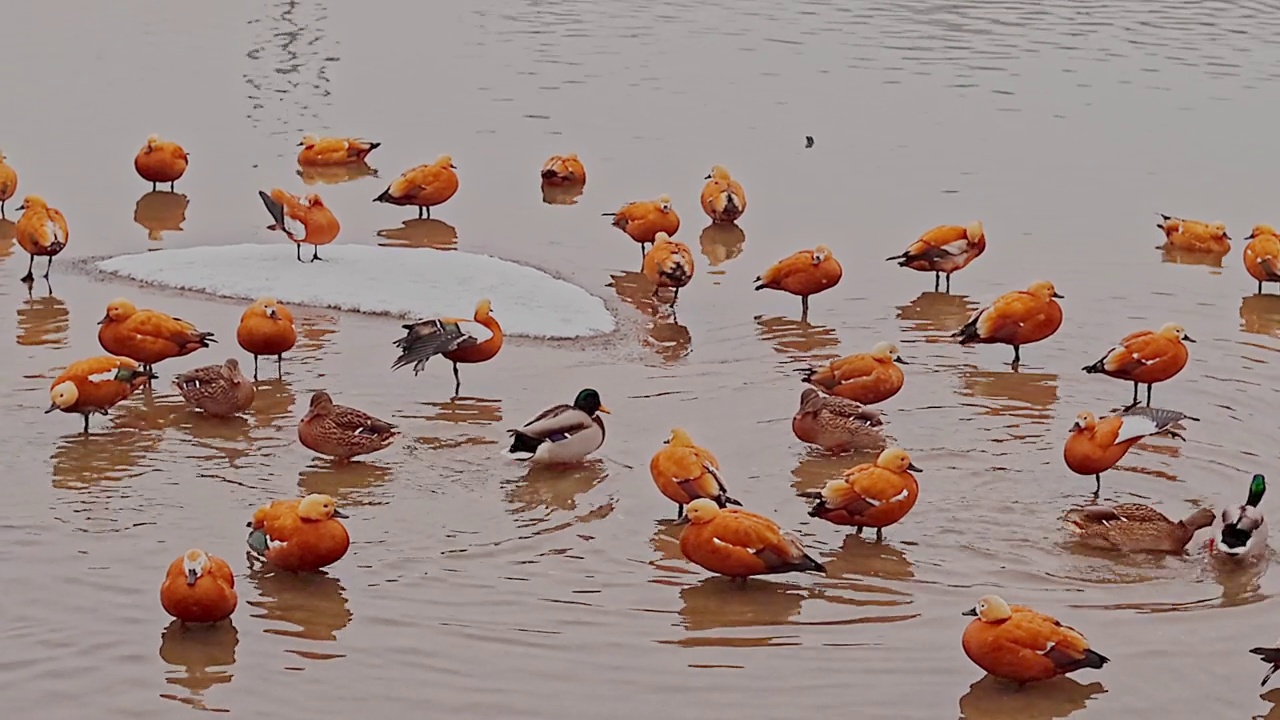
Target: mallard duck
<point>562,434</point>
<point>342,432</point>
<point>1134,527</point>
<point>219,390</point>
<point>1019,644</point>
<point>1244,529</point>
<point>738,543</point>
<point>836,424</point>
<point>1270,656</point>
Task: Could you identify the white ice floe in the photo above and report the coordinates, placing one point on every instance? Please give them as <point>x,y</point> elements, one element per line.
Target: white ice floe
<point>412,283</point>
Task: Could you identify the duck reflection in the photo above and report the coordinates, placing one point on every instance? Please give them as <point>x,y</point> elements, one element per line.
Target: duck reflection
<point>799,340</point>
<point>1020,394</point>
<point>562,194</point>
<point>8,233</point>
<point>1260,314</point>
<point>1182,256</point>
<point>421,233</point>
<point>227,439</point>
<point>935,312</point>
<point>335,174</point>
<point>465,410</point>
<point>1241,581</point>
<point>1272,696</point>
<point>721,242</point>
<point>315,604</point>
<point>550,488</point>
<point>272,401</point>
<point>314,329</point>
<point>159,211</point>
<point>817,468</point>
<point>353,484</point>
<point>43,321</point>
<point>196,649</point>
<point>82,462</point>
<point>720,602</point>
<point>992,699</point>
<point>665,335</point>
<point>862,558</point>
<point>665,541</point>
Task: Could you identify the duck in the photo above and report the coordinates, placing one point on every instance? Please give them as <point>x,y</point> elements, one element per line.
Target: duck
<point>95,385</point>
<point>1016,643</point>
<point>1132,527</point>
<point>944,250</point>
<point>41,232</point>
<point>218,390</point>
<point>684,472</point>
<point>1016,318</point>
<point>1194,235</point>
<point>668,264</point>
<point>161,161</point>
<point>740,544</point>
<point>1243,533</point>
<point>866,378</point>
<point>333,150</point>
<point>1262,255</point>
<point>1095,446</point>
<point>199,588</point>
<point>561,434</point>
<point>723,199</point>
<point>1270,656</point>
<point>302,220</point>
<point>803,273</point>
<point>1145,357</point>
<point>642,220</point>
<point>342,432</point>
<point>148,336</point>
<point>564,170</point>
<point>302,535</point>
<point>266,328</point>
<point>836,424</point>
<point>425,186</point>
<point>458,340</point>
<point>8,182</point>
<point>874,495</point>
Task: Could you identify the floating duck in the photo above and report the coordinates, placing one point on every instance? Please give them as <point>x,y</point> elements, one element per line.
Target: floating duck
<point>561,434</point>
<point>642,220</point>
<point>1261,255</point>
<point>805,273</point>
<point>1019,644</point>
<point>458,340</point>
<point>1271,656</point>
<point>95,385</point>
<point>1194,235</point>
<point>836,424</point>
<point>944,250</point>
<point>8,183</point>
<point>668,264</point>
<point>1017,318</point>
<point>1132,527</point>
<point>218,390</point>
<point>1243,534</point>
<point>199,588</point>
<point>302,220</point>
<point>161,161</point>
<point>866,378</point>
<point>299,535</point>
<point>342,432</point>
<point>564,170</point>
<point>684,472</point>
<point>425,186</point>
<point>723,199</point>
<point>1095,446</point>
<point>740,544</point>
<point>874,495</point>
<point>333,151</point>
<point>42,232</point>
<point>266,328</point>
<point>1145,357</point>
<point>148,336</point>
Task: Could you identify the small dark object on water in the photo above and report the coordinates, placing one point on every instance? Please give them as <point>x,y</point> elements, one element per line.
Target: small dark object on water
<point>808,141</point>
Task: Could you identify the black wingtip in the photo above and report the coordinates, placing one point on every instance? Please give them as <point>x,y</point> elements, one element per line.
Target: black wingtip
<point>1096,660</point>
<point>726,501</point>
<point>374,146</point>
<point>273,207</point>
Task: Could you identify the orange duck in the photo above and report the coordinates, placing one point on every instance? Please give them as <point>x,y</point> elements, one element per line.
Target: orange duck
<point>685,472</point>
<point>1262,255</point>
<point>266,328</point>
<point>425,186</point>
<point>867,378</point>
<point>458,340</point>
<point>644,219</point>
<point>1017,318</point>
<point>723,199</point>
<point>302,220</point>
<point>804,273</point>
<point>874,495</point>
<point>564,170</point>
<point>342,432</point>
<point>160,161</point>
<point>739,544</point>
<point>299,535</point>
<point>199,588</point>
<point>668,264</point>
<point>1145,358</point>
<point>944,250</point>
<point>1194,235</point>
<point>1095,446</point>
<point>147,336</point>
<point>1018,644</point>
<point>333,151</point>
<point>8,183</point>
<point>41,231</point>
<point>95,385</point>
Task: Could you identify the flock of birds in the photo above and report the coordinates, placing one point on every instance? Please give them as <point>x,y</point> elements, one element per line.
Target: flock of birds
<point>306,534</point>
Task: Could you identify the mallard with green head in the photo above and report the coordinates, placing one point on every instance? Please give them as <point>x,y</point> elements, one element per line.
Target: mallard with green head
<point>1135,528</point>
<point>1244,529</point>
<point>563,434</point>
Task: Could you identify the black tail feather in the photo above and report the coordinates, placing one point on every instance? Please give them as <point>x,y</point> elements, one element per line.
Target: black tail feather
<point>424,341</point>
<point>521,443</point>
<point>969,333</point>
<point>724,501</point>
<point>385,196</point>
<point>1094,368</point>
<point>275,208</point>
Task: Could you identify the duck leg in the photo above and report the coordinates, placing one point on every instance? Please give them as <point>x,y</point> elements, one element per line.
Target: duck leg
<point>86,423</point>
<point>1149,394</point>
<point>2,202</point>
<point>30,277</point>
<point>879,534</point>
<point>937,279</point>
<point>804,308</point>
<point>153,187</point>
<point>299,246</point>
<point>457,381</point>
<point>1097,489</point>
<point>47,268</point>
<point>171,185</point>
<point>679,512</point>
<point>1135,394</point>
<point>1017,355</point>
<point>948,283</point>
<point>280,366</point>
<point>315,253</point>
<point>255,367</point>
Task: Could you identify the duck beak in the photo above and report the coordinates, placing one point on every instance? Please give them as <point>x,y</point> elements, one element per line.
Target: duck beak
<point>707,177</point>
<point>971,612</point>
<point>301,144</point>
<point>192,576</point>
<point>667,441</point>
<point>1058,295</point>
<point>900,361</point>
<point>914,468</point>
<point>1075,427</point>
<point>1246,237</point>
<point>1226,236</point>
<point>271,313</point>
<point>340,515</point>
<point>105,319</point>
<point>604,410</point>
<point>51,408</point>
<point>452,166</point>
<point>1188,338</point>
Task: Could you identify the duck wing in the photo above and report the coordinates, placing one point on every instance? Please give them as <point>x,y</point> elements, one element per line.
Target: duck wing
<point>203,382</point>
<point>427,339</point>
<point>358,422</point>
<point>555,424</point>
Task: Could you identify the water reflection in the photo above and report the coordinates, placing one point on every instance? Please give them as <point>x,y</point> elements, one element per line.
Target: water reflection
<point>1260,314</point>
<point>1020,394</point>
<point>8,233</point>
<point>935,312</point>
<point>43,321</point>
<point>549,488</point>
<point>464,410</point>
<point>159,211</point>
<point>289,61</point>
<point>223,442</point>
<point>860,558</point>
<point>722,242</point>
<point>562,194</point>
<point>314,604</point>
<point>203,653</point>
<point>314,329</point>
<point>1182,256</point>
<point>1241,581</point>
<point>801,341</point>
<point>719,602</point>
<point>816,468</point>
<point>993,699</point>
<point>353,484</point>
<point>664,333</point>
<point>335,174</point>
<point>272,401</point>
<point>421,233</point>
<point>82,462</point>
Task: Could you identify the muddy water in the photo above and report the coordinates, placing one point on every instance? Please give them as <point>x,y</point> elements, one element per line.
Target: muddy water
<point>475,589</point>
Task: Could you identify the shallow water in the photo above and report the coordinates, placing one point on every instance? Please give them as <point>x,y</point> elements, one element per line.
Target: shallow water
<point>477,590</point>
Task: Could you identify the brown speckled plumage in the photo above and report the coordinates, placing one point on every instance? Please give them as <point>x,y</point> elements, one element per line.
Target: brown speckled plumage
<point>837,424</point>
<point>1135,527</point>
<point>342,432</point>
<point>219,390</point>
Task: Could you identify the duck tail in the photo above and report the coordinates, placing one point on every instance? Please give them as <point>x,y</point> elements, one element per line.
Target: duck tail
<point>276,210</point>
<point>969,333</point>
<point>1093,659</point>
<point>385,196</point>
<point>424,341</point>
<point>551,174</point>
<point>725,501</point>
<point>1095,368</point>
<point>373,146</point>
<point>903,257</point>
<point>808,564</point>
<point>1270,655</point>
<point>523,447</point>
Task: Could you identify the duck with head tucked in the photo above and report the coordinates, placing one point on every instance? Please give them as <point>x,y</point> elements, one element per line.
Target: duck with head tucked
<point>218,390</point>
<point>1262,255</point>
<point>148,336</point>
<point>457,339</point>
<point>561,434</point>
<point>41,232</point>
<point>1194,235</point>
<point>328,151</point>
<point>1016,643</point>
<point>1095,446</point>
<point>1016,318</point>
<point>1145,358</point>
<point>1243,533</point>
<point>342,432</point>
<point>304,220</point>
<point>874,495</point>
<point>803,273</point>
<point>161,161</point>
<point>199,588</point>
<point>867,378</point>
<point>300,535</point>
<point>740,544</point>
<point>424,186</point>
<point>684,472</point>
<point>723,199</point>
<point>1132,527</point>
<point>266,328</point>
<point>668,264</point>
<point>95,385</point>
<point>836,424</point>
<point>642,220</point>
<point>8,183</point>
<point>564,170</point>
<point>945,249</point>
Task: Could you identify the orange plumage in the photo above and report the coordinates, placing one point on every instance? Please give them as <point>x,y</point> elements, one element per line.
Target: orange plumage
<point>147,336</point>
<point>1262,255</point>
<point>867,378</point>
<point>945,249</point>
<point>1095,446</point>
<point>266,328</point>
<point>302,220</point>
<point>564,170</point>
<point>738,543</point>
<point>160,161</point>
<point>8,183</point>
<point>41,231</point>
<point>874,495</point>
<point>805,273</point>
<point>644,219</point>
<point>321,151</point>
<point>684,472</point>
<point>1195,235</point>
<point>1019,644</point>
<point>1145,357</point>
<point>1017,318</point>
<point>723,199</point>
<point>199,588</point>
<point>95,385</point>
<point>425,186</point>
<point>668,264</point>
<point>300,535</point>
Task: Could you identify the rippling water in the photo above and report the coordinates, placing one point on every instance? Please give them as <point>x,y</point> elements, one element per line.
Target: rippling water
<point>477,590</point>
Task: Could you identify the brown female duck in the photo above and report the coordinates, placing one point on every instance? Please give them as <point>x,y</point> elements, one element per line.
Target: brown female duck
<point>219,390</point>
<point>342,432</point>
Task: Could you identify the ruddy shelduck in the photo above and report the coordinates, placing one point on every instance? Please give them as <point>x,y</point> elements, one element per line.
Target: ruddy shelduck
<point>944,250</point>
<point>805,273</point>
<point>424,186</point>
<point>301,535</point>
<point>8,183</point>
<point>867,378</point>
<point>836,424</point>
<point>738,543</point>
<point>684,472</point>
<point>457,339</point>
<point>668,264</point>
<point>1262,255</point>
<point>723,199</point>
<point>1017,318</point>
<point>95,385</point>
<point>342,432</point>
<point>218,390</point>
<point>42,232</point>
<point>642,220</point>
<point>147,336</point>
<point>333,150</point>
<point>1194,235</point>
<point>1095,446</point>
<point>564,170</point>
<point>1016,643</point>
<point>266,328</point>
<point>1145,357</point>
<point>302,220</point>
<point>199,588</point>
<point>874,495</point>
<point>161,161</point>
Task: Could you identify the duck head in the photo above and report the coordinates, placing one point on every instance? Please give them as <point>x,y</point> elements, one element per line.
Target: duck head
<point>678,438</point>
<point>886,352</point>
<point>308,141</point>
<point>1244,528</point>
<point>702,510</point>
<point>717,173</point>
<point>118,310</point>
<point>33,202</point>
<point>1085,421</point>
<point>991,609</point>
<point>1174,331</point>
<point>321,405</point>
<point>588,401</point>
<point>974,231</point>
<point>896,460</point>
<point>820,254</point>
<point>664,203</point>
<point>317,507</point>
<point>62,396</point>
<point>446,161</point>
<point>194,563</point>
<point>1044,290</point>
<point>1258,230</point>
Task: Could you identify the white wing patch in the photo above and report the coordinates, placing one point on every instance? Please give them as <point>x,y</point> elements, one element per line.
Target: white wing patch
<point>1135,426</point>
<point>103,376</point>
<point>273,544</point>
<point>475,330</point>
<point>294,229</point>
<point>959,247</point>
<point>55,233</point>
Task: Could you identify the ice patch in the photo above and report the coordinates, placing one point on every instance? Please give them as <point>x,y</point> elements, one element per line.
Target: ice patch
<point>413,283</point>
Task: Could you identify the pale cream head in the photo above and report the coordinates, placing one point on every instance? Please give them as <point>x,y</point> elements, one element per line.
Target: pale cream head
<point>446,161</point>
<point>1174,331</point>
<point>64,394</point>
<point>992,608</point>
<point>195,563</point>
<point>120,309</point>
<point>483,308</point>
<point>317,507</point>
<point>885,352</point>
<point>679,438</point>
<point>896,460</point>
<point>701,511</point>
<point>661,237</point>
<point>1043,289</point>
<point>1084,421</point>
<point>309,140</point>
<point>664,203</point>
<point>820,254</point>
<point>1258,230</point>
<point>974,230</point>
